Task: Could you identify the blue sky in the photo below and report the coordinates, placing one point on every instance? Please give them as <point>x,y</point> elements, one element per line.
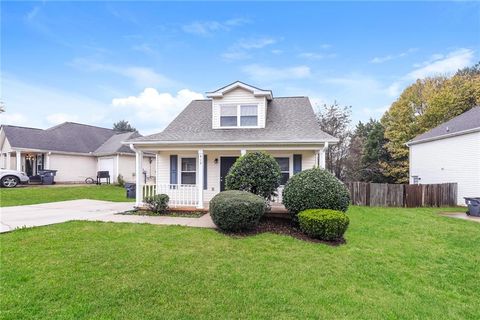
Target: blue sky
<point>97,63</point>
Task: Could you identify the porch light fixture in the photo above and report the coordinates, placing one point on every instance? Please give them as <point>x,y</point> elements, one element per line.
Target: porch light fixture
<point>215,161</point>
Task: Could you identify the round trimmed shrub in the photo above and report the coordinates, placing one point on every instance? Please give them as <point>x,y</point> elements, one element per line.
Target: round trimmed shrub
<point>324,224</point>
<point>236,210</point>
<point>315,189</point>
<point>255,172</point>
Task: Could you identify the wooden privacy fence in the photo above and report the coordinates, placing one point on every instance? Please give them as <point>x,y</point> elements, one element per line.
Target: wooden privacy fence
<point>402,195</point>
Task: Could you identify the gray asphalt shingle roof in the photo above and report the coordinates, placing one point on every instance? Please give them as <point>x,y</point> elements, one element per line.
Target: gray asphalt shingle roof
<point>468,120</point>
<point>68,137</point>
<point>289,119</point>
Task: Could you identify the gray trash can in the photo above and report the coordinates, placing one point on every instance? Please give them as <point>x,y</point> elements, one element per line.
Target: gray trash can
<point>473,206</point>
<point>47,176</point>
<point>131,190</point>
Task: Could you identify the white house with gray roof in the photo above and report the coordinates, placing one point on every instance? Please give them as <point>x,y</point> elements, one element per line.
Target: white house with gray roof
<point>77,151</point>
<point>196,150</point>
<point>449,152</point>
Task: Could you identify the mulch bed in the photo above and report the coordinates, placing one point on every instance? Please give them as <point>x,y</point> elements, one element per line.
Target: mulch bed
<point>281,226</point>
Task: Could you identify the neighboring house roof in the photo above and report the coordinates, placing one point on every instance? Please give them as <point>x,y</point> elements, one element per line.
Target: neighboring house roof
<point>467,122</point>
<point>289,119</point>
<point>114,144</point>
<point>67,137</point>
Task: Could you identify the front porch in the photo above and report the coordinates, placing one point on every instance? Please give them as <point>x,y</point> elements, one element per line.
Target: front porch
<point>192,177</point>
<point>28,161</point>
<point>186,197</point>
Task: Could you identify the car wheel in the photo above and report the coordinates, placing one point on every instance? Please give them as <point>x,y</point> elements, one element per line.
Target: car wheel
<point>10,181</point>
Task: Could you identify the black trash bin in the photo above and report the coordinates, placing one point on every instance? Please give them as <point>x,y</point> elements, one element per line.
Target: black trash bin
<point>131,189</point>
<point>47,176</point>
<point>473,206</point>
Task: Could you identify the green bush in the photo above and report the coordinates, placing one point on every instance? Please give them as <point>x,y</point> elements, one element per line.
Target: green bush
<point>120,181</point>
<point>158,203</point>
<point>236,210</point>
<point>315,189</point>
<point>255,172</point>
<point>323,224</point>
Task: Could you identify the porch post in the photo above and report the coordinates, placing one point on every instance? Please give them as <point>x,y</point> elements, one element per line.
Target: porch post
<point>139,177</point>
<point>322,156</point>
<point>200,179</point>
<point>2,160</point>
<point>47,160</point>
<point>18,158</point>
<point>157,181</point>
<point>9,160</point>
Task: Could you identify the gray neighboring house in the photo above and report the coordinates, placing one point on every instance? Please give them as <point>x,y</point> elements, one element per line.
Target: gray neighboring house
<point>196,150</point>
<point>449,152</point>
<point>76,150</point>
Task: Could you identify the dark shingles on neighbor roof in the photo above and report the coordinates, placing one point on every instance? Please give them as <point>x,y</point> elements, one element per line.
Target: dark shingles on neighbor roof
<point>289,119</point>
<point>114,143</point>
<point>66,137</point>
<point>466,121</point>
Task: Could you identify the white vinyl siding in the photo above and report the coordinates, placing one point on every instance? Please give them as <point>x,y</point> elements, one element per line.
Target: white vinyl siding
<point>239,96</point>
<point>213,169</point>
<point>454,159</point>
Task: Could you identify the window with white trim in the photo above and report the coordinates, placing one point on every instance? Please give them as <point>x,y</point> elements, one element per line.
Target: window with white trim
<point>248,115</point>
<point>228,115</point>
<point>238,115</point>
<point>284,164</point>
<point>188,171</point>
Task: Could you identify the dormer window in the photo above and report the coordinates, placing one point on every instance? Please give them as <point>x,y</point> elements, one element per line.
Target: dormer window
<point>248,115</point>
<point>238,115</point>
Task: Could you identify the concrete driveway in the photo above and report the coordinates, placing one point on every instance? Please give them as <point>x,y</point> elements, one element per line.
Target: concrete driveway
<point>57,212</point>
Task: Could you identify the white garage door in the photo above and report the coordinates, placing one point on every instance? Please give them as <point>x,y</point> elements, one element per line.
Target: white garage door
<point>106,164</point>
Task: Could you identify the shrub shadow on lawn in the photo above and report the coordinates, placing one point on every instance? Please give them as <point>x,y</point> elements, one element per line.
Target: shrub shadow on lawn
<point>280,226</point>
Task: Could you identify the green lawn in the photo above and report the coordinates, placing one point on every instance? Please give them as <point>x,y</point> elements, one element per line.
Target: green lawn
<point>34,195</point>
<point>396,264</point>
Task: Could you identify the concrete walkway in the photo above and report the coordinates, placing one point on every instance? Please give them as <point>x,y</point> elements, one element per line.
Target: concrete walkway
<point>84,209</point>
<point>460,215</point>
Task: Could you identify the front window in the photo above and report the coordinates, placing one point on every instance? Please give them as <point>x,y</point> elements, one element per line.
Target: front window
<point>284,164</point>
<point>248,115</point>
<point>228,116</point>
<point>189,171</point>
<point>241,115</point>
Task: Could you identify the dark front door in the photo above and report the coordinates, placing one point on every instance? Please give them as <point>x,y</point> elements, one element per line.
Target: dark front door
<point>225,164</point>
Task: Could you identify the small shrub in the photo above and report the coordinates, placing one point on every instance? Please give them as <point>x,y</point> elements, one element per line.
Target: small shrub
<point>236,210</point>
<point>158,203</point>
<point>315,188</point>
<point>323,224</point>
<point>120,181</point>
<point>255,172</point>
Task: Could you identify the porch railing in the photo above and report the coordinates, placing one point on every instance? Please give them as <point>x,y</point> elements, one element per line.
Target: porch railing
<point>278,198</point>
<point>179,194</point>
<point>186,194</point>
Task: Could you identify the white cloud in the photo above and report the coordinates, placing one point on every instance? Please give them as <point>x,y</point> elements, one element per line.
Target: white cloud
<point>444,65</point>
<point>142,76</point>
<point>36,108</point>
<point>437,64</point>
<point>57,118</point>
<point>158,107</point>
<point>206,28</point>
<point>315,56</point>
<point>16,119</point>
<point>265,73</point>
<point>392,56</point>
<point>241,49</point>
